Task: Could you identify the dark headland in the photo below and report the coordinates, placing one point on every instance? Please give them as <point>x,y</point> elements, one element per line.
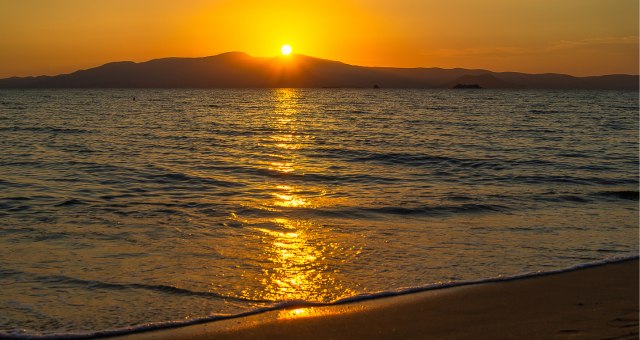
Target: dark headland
<point>239,70</point>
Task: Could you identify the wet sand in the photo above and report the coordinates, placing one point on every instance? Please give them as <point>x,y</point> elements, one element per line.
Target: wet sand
<point>592,303</point>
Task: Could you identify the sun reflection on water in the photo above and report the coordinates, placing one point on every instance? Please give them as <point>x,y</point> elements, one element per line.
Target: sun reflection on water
<point>298,254</point>
<point>283,167</point>
<point>298,263</point>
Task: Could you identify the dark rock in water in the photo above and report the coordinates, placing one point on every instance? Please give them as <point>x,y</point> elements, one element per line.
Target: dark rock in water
<point>467,86</point>
<point>375,86</point>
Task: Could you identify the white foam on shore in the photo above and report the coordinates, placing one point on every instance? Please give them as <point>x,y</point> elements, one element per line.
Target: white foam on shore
<point>301,304</point>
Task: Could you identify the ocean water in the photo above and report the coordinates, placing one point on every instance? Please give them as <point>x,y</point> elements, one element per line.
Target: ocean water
<point>182,204</point>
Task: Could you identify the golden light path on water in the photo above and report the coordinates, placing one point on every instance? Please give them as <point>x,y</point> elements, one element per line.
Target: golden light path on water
<point>189,203</point>
<point>297,254</point>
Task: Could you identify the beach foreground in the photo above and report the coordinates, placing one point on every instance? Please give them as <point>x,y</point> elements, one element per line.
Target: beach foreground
<point>593,303</point>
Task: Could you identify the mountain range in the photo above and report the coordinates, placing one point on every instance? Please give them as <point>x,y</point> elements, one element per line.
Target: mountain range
<point>239,70</point>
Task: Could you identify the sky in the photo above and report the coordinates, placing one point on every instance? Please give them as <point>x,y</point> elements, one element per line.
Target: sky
<point>578,37</point>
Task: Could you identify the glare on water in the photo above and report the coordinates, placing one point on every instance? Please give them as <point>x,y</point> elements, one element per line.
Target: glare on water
<point>201,202</point>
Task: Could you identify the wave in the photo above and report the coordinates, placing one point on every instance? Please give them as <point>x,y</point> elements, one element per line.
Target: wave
<point>304,304</point>
<point>309,177</point>
<point>538,179</point>
<point>421,159</point>
<point>175,177</point>
<point>96,284</point>
<point>544,111</point>
<point>109,174</point>
<point>628,195</point>
<point>437,210</point>
<point>70,202</point>
<point>621,194</point>
<point>376,212</point>
<point>44,129</point>
<point>411,159</point>
<point>569,198</point>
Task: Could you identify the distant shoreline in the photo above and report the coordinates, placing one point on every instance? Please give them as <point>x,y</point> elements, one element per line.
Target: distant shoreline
<point>239,70</point>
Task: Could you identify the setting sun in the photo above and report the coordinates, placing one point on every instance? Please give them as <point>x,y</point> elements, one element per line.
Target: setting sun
<point>286,49</point>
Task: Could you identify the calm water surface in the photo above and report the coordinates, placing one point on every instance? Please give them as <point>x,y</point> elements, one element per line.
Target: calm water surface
<point>188,203</point>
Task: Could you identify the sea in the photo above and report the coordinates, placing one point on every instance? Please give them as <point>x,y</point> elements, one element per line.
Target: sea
<point>129,209</point>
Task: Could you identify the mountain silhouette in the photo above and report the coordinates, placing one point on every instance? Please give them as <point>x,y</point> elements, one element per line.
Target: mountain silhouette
<point>239,70</point>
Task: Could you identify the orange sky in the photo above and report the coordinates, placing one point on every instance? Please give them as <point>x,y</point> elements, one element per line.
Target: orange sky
<point>579,37</point>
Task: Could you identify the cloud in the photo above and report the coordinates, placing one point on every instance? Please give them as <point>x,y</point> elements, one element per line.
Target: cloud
<point>602,43</point>
<point>594,43</point>
<point>483,51</point>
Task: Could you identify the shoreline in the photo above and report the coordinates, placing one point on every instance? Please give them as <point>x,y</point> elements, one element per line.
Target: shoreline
<point>592,301</point>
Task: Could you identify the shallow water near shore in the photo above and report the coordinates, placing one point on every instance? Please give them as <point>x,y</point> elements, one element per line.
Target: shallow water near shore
<point>181,204</point>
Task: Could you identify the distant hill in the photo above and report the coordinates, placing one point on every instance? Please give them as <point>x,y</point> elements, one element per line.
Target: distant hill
<point>239,70</point>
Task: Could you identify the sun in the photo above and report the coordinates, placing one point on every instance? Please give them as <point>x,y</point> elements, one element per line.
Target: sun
<point>286,49</point>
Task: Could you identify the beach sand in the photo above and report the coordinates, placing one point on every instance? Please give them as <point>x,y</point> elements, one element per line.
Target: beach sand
<point>593,303</point>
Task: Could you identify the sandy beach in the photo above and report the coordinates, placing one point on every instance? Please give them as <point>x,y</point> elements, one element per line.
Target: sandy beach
<point>592,303</point>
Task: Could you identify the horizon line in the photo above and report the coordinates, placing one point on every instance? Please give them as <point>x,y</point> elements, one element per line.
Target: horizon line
<point>319,58</point>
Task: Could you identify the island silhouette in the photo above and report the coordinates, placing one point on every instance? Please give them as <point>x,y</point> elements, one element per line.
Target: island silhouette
<point>240,70</point>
